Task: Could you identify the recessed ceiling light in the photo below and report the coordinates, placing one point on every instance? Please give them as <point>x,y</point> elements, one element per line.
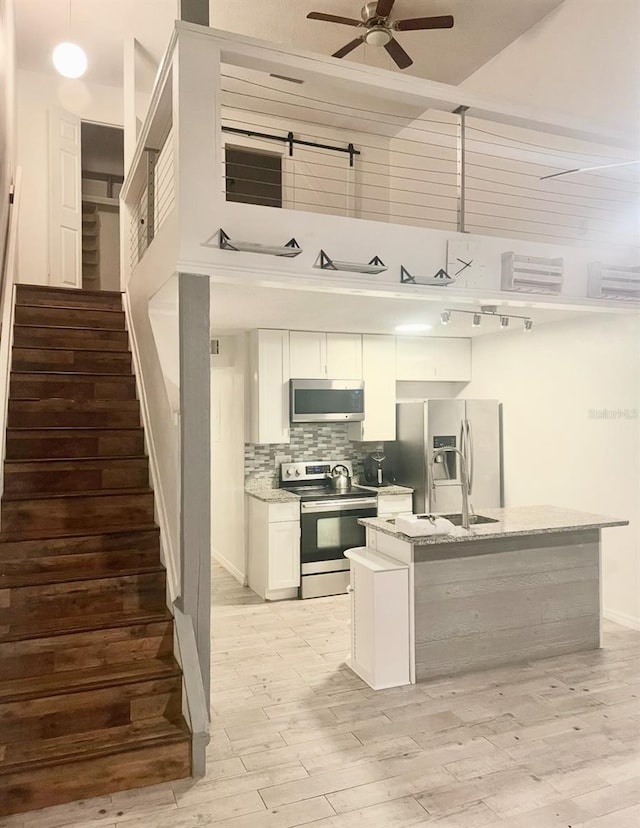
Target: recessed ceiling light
<point>70,60</point>
<point>412,327</point>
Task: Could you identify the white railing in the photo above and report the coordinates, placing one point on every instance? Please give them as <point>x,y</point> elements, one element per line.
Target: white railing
<point>7,307</point>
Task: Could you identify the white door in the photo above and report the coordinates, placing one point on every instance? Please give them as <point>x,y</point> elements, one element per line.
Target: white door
<point>65,199</point>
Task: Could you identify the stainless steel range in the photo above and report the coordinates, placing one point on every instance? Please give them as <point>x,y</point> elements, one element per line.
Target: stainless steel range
<point>328,522</point>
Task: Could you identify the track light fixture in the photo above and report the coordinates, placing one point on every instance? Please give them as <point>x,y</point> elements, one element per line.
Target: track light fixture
<point>487,310</point>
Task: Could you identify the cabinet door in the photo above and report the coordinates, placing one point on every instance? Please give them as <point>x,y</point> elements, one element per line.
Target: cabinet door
<point>269,387</point>
<point>307,355</point>
<point>378,372</point>
<point>453,360</point>
<point>284,555</point>
<point>429,358</point>
<point>344,356</point>
<point>415,358</point>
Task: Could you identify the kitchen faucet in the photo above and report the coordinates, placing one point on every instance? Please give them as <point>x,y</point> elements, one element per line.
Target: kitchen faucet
<point>464,480</point>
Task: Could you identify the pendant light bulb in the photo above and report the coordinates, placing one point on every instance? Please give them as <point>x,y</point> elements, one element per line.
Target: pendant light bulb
<point>70,60</point>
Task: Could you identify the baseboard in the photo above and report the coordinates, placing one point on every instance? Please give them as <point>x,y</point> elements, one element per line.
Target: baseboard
<point>240,577</point>
<point>622,618</point>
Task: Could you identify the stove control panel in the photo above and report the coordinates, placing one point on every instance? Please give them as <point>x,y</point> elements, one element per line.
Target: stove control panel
<point>311,470</point>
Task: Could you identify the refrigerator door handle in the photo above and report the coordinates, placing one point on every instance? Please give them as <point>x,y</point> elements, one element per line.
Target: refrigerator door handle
<point>469,455</point>
<point>463,446</point>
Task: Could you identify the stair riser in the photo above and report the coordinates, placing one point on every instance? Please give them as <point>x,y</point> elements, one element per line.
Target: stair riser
<point>76,338</point>
<point>53,717</point>
<point>26,295</point>
<point>66,414</point>
<point>92,444</point>
<point>96,362</point>
<point>70,318</point>
<point>91,513</point>
<point>40,387</point>
<point>22,606</point>
<point>64,477</point>
<point>61,568</point>
<point>80,651</point>
<point>42,787</point>
<point>85,545</point>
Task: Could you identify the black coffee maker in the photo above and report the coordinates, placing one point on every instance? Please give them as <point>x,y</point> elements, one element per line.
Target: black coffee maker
<point>378,470</point>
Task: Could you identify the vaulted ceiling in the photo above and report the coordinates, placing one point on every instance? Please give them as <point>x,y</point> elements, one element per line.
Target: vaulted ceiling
<point>482,28</point>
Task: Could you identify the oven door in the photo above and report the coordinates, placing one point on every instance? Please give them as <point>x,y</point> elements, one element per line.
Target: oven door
<point>328,528</point>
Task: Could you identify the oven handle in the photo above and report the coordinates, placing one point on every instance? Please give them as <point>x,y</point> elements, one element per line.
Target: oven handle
<point>338,506</point>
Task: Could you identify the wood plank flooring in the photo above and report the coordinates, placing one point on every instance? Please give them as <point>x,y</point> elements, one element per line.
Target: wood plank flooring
<point>297,739</point>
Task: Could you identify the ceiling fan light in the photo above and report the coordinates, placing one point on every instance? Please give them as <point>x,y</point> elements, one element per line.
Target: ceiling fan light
<point>70,60</point>
<point>377,36</point>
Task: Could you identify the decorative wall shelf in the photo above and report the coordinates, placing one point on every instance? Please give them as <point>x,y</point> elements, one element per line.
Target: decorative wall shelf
<point>531,274</point>
<point>613,282</point>
<point>440,278</point>
<point>376,265</point>
<point>290,250</point>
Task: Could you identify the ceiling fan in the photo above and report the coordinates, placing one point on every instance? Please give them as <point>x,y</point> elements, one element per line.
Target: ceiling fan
<point>379,31</point>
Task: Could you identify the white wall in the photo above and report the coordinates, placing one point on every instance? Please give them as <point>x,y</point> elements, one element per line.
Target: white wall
<point>37,93</point>
<point>7,119</point>
<point>227,454</point>
<point>554,382</point>
<point>581,60</point>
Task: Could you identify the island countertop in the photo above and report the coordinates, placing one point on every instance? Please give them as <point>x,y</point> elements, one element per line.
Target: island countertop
<point>511,521</point>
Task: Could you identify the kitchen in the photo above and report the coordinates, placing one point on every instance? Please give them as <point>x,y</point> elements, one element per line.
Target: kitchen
<point>553,435</point>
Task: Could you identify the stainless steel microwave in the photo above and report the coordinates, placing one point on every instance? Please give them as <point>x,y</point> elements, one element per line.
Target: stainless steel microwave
<point>326,401</point>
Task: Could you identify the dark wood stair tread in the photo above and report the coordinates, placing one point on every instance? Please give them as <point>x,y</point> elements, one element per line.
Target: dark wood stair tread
<point>85,623</point>
<point>79,533</point>
<point>75,681</point>
<point>22,372</point>
<point>98,308</point>
<point>75,461</point>
<point>81,746</point>
<point>31,576</point>
<point>24,287</point>
<point>12,498</point>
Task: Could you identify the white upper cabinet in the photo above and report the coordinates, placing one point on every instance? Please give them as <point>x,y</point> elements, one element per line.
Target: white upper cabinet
<point>269,386</point>
<point>315,355</point>
<point>379,375</point>
<point>439,359</point>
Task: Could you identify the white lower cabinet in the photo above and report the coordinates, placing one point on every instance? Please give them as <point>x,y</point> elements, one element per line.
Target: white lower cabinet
<point>379,619</point>
<point>273,564</point>
<point>394,504</point>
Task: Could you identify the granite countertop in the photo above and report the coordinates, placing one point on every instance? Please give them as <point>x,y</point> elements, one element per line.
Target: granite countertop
<point>387,490</point>
<point>513,520</point>
<point>266,491</point>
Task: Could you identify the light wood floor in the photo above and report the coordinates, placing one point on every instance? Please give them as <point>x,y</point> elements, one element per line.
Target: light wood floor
<point>299,740</point>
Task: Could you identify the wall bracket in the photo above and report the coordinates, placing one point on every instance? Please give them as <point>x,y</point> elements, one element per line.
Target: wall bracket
<point>290,250</point>
<point>375,266</point>
<point>441,278</point>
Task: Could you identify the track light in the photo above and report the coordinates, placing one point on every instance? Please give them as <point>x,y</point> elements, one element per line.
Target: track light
<point>487,310</point>
<point>528,324</point>
<point>477,319</point>
<point>504,323</point>
<point>445,317</point>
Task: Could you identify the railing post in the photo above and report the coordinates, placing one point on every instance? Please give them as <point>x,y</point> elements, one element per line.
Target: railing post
<point>461,167</point>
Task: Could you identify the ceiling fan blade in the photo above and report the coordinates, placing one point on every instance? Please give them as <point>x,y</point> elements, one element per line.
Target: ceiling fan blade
<point>589,169</point>
<point>445,21</point>
<point>398,54</point>
<point>348,48</point>
<point>334,18</point>
<point>383,9</point>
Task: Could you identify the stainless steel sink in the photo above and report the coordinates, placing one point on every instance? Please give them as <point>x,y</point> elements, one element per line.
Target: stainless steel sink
<point>456,519</point>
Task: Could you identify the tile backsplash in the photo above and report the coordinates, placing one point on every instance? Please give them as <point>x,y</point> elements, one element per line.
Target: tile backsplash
<point>309,441</point>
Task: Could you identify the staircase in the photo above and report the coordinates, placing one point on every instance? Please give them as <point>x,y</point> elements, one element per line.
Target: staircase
<point>90,693</point>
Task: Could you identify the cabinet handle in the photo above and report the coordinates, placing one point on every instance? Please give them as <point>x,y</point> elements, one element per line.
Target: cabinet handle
<point>349,588</point>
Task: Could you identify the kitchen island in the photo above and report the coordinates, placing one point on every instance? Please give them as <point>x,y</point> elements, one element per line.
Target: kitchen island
<point>526,585</point>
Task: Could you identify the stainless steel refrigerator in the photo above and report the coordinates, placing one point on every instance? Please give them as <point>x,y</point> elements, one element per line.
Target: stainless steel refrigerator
<point>472,426</point>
